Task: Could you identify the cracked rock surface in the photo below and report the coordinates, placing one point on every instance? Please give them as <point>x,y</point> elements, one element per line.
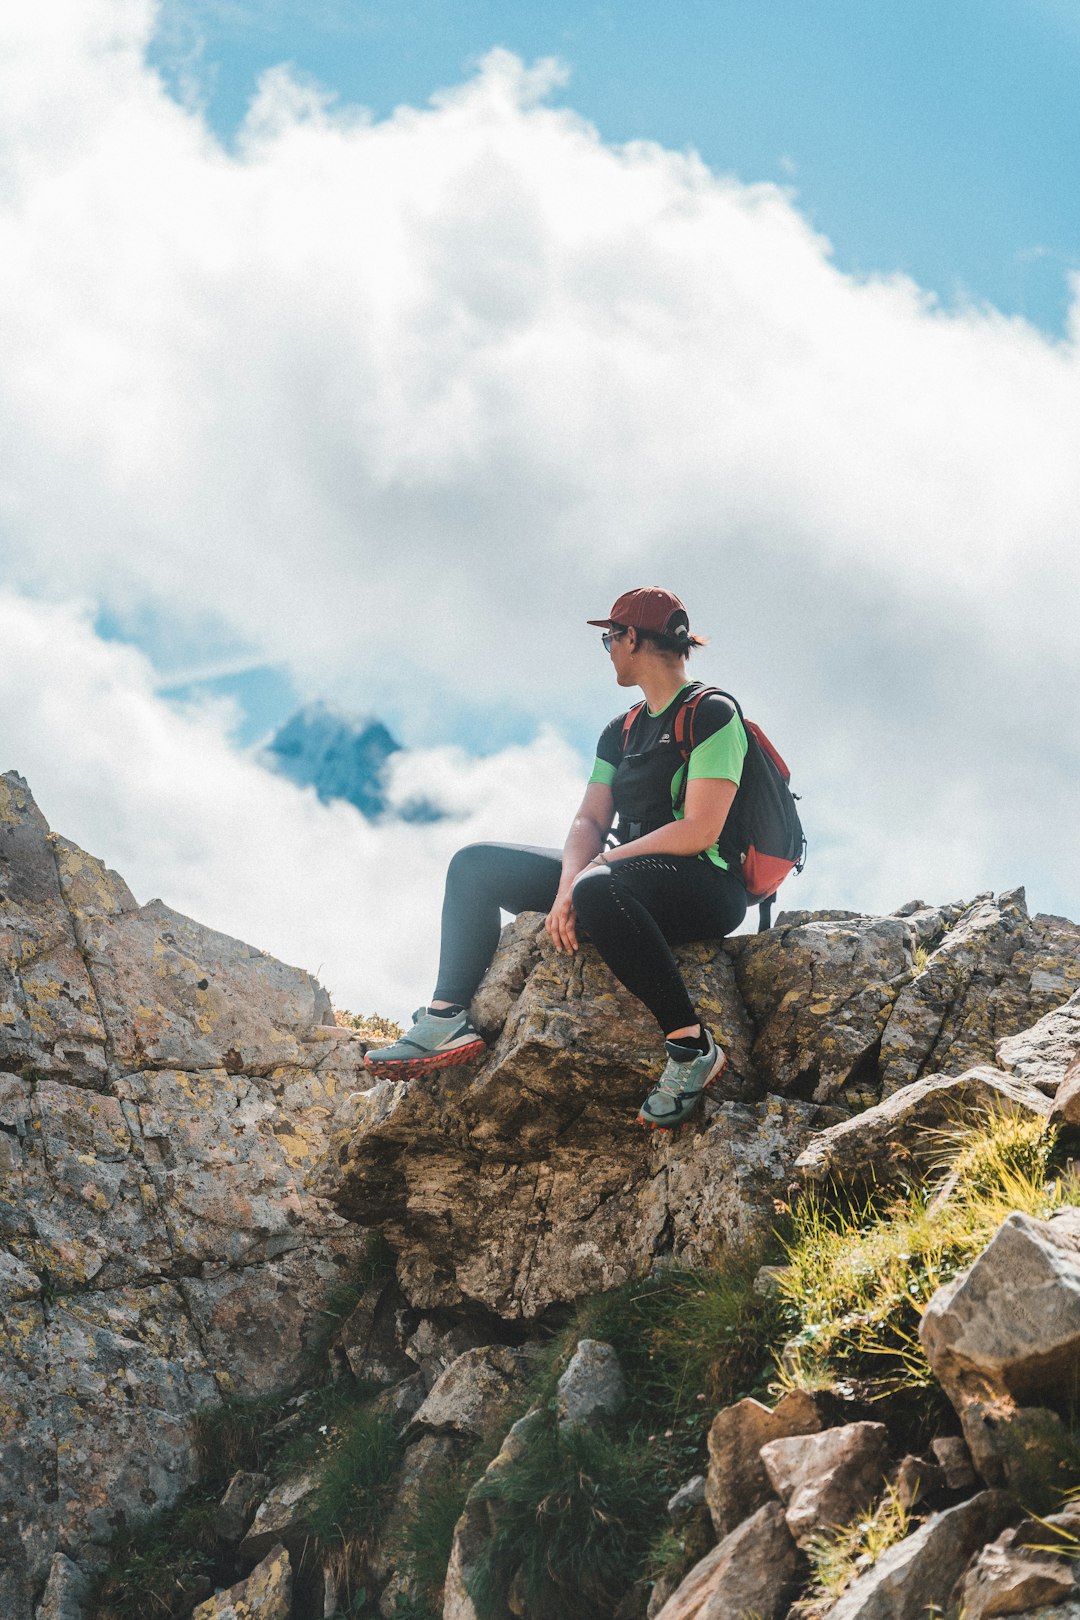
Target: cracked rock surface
<point>524,1181</point>
<point>165,1092</point>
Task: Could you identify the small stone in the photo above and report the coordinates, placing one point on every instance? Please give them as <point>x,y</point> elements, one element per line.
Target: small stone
<point>827,1479</point>
<point>266,1594</point>
<point>242,1495</point>
<point>591,1387</point>
<point>687,1499</point>
<point>769,1280</point>
<point>1006,1579</point>
<point>954,1460</point>
<point>469,1394</point>
<point>916,1478</point>
<point>281,1517</point>
<point>737,1484</point>
<point>66,1592</point>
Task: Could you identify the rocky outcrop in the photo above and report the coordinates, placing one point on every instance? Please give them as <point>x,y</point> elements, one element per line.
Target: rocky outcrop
<point>524,1182</point>
<point>164,1093</point>
<point>191,1153</point>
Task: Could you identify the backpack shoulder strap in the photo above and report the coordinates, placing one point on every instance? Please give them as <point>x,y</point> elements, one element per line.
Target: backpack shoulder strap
<point>631,716</point>
<point>684,720</point>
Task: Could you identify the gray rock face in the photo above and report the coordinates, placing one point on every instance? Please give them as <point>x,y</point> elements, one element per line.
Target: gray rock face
<point>827,1479</point>
<point>1007,1330</point>
<point>737,1483</point>
<point>750,1572</point>
<point>591,1387</point>
<point>165,1093</point>
<point>921,1571</point>
<point>885,1141</point>
<point>1043,1052</point>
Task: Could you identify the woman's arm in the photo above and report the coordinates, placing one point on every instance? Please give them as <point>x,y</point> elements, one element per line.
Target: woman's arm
<point>708,800</point>
<point>588,830</point>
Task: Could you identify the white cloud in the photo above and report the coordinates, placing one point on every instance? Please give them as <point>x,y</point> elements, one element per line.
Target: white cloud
<point>164,797</point>
<point>400,404</point>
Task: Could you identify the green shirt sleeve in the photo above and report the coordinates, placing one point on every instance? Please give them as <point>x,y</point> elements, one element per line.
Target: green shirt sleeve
<point>720,755</point>
<point>603,772</point>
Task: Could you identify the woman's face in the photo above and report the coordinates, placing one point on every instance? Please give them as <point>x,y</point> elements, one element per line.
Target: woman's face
<point>621,653</point>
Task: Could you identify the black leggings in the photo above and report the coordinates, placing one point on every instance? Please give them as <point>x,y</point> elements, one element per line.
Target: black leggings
<point>633,912</point>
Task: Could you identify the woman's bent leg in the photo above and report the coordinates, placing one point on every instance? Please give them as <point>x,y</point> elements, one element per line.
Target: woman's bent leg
<point>481,881</point>
<point>637,909</point>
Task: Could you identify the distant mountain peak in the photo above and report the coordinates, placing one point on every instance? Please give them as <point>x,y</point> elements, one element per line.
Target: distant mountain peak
<point>342,756</point>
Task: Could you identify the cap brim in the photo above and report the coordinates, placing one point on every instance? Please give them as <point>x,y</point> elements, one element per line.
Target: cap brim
<point>602,624</point>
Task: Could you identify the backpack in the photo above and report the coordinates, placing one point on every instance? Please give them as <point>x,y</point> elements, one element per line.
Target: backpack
<point>762,839</point>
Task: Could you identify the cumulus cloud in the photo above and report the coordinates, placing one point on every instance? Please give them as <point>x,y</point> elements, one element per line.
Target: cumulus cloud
<point>400,403</point>
<point>165,797</point>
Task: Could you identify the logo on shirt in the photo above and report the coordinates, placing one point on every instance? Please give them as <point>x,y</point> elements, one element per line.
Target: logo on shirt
<point>666,737</point>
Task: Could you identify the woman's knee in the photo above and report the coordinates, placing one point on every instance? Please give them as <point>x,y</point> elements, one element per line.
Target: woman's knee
<point>468,861</point>
<point>594,895</point>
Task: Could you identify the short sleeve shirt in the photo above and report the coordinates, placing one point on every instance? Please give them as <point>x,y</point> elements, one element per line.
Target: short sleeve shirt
<point>646,776</point>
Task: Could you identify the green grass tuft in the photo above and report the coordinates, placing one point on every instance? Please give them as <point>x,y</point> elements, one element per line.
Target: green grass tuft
<point>859,1277</point>
<point>574,1517</point>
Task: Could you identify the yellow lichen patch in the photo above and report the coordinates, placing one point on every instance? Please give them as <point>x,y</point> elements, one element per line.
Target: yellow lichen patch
<point>819,1008</point>
<point>790,997</point>
<point>295,1148</point>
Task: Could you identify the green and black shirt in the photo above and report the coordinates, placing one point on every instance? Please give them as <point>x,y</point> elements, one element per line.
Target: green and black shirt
<point>646,776</point>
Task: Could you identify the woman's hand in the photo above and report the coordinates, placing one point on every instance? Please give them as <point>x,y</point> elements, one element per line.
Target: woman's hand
<point>561,922</point>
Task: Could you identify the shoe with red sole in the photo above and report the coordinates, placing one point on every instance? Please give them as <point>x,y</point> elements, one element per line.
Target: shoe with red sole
<point>432,1043</point>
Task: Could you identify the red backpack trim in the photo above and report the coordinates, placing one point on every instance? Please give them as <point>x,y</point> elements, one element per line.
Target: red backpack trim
<point>770,836</point>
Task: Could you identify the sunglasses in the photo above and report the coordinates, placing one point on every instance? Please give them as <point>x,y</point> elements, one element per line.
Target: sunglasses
<point>609,636</point>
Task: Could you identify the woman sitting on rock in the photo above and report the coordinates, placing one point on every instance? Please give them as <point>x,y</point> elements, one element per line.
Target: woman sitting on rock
<point>663,883</point>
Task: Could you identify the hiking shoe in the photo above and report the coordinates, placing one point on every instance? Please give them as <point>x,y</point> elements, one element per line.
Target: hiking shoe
<point>684,1081</point>
<point>432,1043</point>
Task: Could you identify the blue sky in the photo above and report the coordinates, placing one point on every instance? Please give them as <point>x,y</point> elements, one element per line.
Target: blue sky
<point>939,138</point>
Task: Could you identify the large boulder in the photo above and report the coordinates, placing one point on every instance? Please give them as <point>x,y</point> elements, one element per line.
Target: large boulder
<point>526,1182</point>
<point>896,1138</point>
<point>1005,1333</point>
<point>165,1095</point>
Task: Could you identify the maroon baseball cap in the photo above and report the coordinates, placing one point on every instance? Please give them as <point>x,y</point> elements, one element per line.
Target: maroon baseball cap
<point>648,608</point>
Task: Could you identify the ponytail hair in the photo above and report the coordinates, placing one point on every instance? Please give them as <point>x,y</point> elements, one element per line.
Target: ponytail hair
<point>680,642</point>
